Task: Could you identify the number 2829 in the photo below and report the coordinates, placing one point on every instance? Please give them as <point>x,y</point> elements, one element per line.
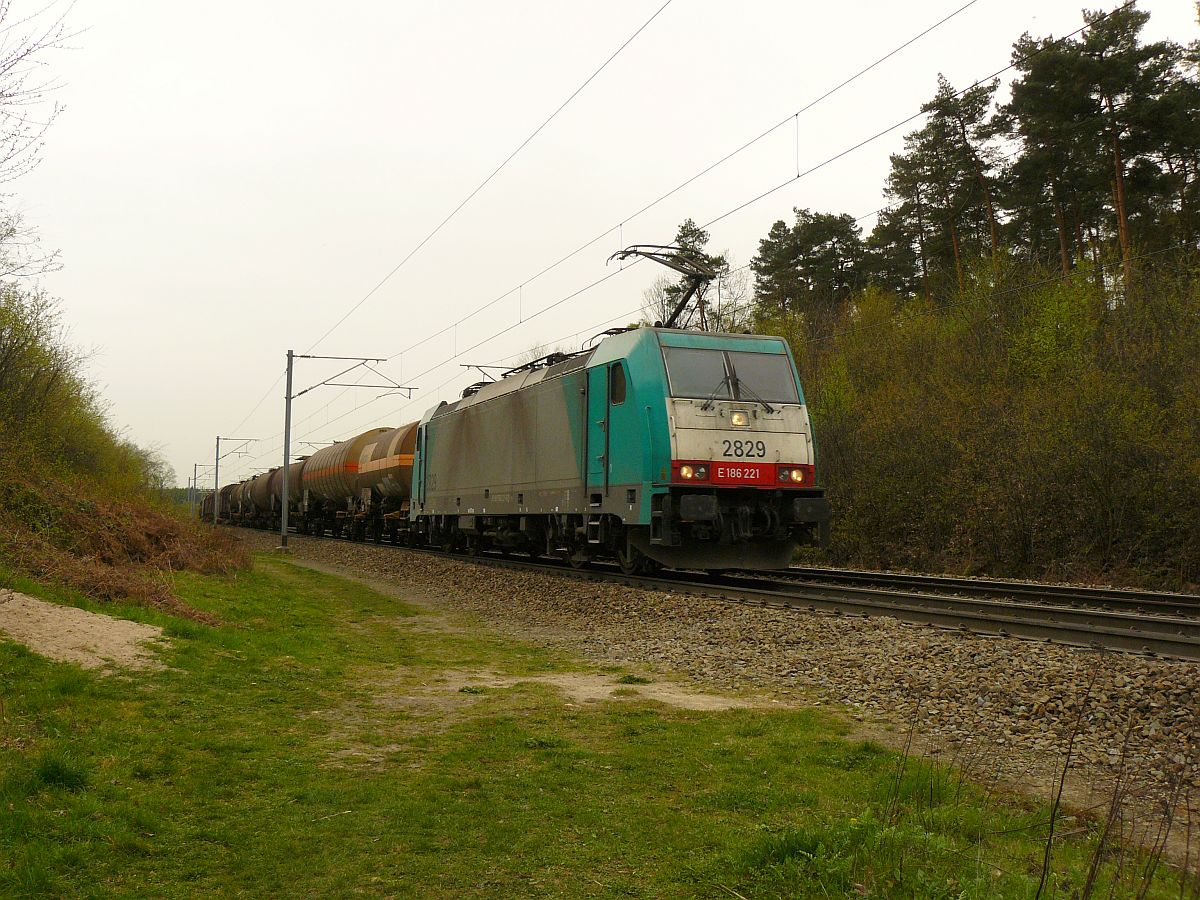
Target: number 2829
<point>744,449</point>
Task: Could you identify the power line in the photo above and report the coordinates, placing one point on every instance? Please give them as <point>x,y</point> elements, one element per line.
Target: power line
<point>488,179</point>
<point>1012,65</point>
<point>262,399</point>
<point>463,203</point>
<point>579,331</point>
<point>1015,62</point>
<point>735,209</point>
<point>724,159</point>
<point>740,149</point>
<point>995,294</point>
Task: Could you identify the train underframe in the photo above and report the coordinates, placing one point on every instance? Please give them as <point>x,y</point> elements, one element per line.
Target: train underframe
<point>690,529</point>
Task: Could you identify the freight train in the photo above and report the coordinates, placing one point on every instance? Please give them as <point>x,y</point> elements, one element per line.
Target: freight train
<point>655,447</point>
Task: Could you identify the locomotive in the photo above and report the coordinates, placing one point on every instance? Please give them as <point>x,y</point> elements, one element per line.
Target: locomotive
<point>657,446</point>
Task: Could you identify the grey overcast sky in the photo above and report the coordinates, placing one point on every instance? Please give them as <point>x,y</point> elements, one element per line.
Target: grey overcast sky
<point>228,179</point>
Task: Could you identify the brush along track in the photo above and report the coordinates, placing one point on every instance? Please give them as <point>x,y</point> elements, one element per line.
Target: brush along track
<point>1056,619</point>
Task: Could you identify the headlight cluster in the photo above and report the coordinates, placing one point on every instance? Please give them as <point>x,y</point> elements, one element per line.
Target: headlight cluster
<point>693,473</point>
<point>791,476</point>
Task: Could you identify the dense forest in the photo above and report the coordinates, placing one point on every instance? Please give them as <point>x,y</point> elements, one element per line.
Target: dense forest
<point>1003,372</point>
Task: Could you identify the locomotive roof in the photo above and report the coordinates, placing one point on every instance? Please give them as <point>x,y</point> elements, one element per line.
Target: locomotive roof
<point>612,347</point>
<point>515,382</point>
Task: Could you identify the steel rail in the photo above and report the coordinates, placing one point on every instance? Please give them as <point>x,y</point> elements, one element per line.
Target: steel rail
<point>1148,635</point>
<point>1153,602</point>
<point>1145,634</point>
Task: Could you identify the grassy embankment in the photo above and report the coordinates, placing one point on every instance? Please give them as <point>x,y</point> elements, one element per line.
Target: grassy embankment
<point>303,747</point>
<point>80,504</point>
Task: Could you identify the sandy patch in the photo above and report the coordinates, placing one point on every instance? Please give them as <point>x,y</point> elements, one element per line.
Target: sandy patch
<point>68,634</point>
<point>583,687</point>
<point>399,707</point>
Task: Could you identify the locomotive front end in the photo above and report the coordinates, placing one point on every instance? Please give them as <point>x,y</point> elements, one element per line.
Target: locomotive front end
<point>742,491</point>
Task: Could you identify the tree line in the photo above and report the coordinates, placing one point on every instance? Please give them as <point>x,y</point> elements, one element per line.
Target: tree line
<point>1095,157</point>
<point>1003,373</point>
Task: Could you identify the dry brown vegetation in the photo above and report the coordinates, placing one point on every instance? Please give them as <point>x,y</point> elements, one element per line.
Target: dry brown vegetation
<point>77,501</point>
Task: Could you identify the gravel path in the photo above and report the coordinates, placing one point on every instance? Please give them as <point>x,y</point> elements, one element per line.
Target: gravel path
<point>1005,707</point>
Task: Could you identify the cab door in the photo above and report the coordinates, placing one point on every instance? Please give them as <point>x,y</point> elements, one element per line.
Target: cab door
<point>597,432</point>
<point>418,473</point>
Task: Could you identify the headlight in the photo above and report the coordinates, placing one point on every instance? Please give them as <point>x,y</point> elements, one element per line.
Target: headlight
<point>791,476</point>
<point>687,472</point>
<point>739,419</point>
<point>693,473</point>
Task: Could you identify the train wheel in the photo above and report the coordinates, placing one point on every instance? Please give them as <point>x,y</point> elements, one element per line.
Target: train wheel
<point>631,561</point>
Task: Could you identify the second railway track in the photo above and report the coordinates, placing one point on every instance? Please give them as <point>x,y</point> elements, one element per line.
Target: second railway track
<point>1132,601</point>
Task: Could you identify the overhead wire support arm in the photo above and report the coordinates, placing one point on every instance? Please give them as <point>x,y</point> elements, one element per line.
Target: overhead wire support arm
<point>217,471</point>
<point>364,362</point>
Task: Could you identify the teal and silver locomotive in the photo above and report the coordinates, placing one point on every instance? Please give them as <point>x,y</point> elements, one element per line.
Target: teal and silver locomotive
<point>658,447</point>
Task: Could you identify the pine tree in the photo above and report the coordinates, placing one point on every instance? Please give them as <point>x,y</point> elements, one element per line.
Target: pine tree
<point>691,240</point>
<point>809,269</point>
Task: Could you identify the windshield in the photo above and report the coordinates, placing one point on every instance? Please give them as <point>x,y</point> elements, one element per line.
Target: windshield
<point>717,374</point>
<point>764,376</point>
<point>697,373</point>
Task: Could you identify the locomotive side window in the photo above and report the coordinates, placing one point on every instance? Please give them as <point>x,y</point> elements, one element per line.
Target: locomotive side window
<point>698,374</point>
<point>616,384</point>
<point>765,375</point>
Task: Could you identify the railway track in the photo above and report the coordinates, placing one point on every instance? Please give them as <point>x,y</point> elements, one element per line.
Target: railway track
<point>1133,601</point>
<point>1048,613</point>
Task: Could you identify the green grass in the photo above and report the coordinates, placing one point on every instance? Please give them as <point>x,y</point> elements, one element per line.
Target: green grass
<point>633,679</point>
<point>304,747</point>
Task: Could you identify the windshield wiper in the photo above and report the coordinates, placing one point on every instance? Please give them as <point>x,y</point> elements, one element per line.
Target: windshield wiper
<point>707,404</point>
<point>743,388</point>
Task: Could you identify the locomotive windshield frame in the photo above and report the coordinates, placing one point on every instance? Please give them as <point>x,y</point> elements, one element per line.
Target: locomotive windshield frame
<point>709,373</point>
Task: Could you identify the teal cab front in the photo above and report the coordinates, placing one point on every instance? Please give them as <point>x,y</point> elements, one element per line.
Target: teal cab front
<point>700,445</point>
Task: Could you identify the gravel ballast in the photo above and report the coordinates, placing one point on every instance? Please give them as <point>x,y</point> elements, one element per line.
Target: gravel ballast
<point>1007,707</point>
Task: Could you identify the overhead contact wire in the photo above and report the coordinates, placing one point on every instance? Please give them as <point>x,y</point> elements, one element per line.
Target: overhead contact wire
<point>1012,65</point>
<point>489,178</point>
<point>724,159</point>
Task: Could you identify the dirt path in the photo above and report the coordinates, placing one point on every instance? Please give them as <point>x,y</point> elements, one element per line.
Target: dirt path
<point>69,634</point>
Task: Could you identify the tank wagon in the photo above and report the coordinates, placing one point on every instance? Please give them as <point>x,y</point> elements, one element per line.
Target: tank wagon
<point>355,488</point>
<point>657,447</point>
<point>206,504</point>
<point>360,487</point>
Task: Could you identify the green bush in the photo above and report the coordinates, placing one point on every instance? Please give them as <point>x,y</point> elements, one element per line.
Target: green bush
<point>1034,425</point>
